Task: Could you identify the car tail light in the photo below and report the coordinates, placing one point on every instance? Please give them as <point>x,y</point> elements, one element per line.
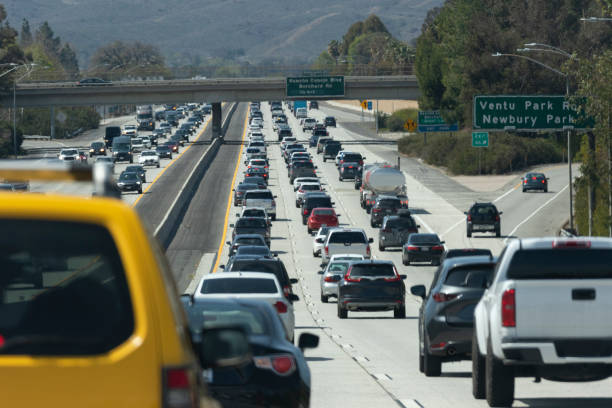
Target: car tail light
<point>571,244</point>
<point>524,181</point>
<point>412,248</point>
<point>543,181</point>
<point>437,346</point>
<point>280,364</point>
<point>376,210</point>
<point>301,191</point>
<point>280,306</point>
<point>348,278</point>
<point>534,178</point>
<point>386,230</point>
<point>326,251</point>
<point>329,279</point>
<point>179,388</point>
<point>441,297</point>
<point>368,250</point>
<point>350,167</point>
<point>305,211</point>
<point>469,218</point>
<point>437,248</point>
<point>396,278</point>
<point>508,308</point>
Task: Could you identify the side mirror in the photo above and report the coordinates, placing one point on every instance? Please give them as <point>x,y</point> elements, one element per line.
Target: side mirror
<point>228,243</point>
<point>501,212</point>
<point>333,203</point>
<point>403,277</point>
<point>294,280</point>
<point>308,340</point>
<point>363,158</point>
<point>187,298</point>
<point>322,265</point>
<point>338,215</point>
<point>418,290</point>
<point>275,196</point>
<point>238,215</point>
<point>316,167</point>
<point>293,298</point>
<point>370,240</point>
<point>442,242</point>
<point>418,226</point>
<point>465,212</point>
<point>321,272</point>
<point>224,347</point>
<point>231,225</point>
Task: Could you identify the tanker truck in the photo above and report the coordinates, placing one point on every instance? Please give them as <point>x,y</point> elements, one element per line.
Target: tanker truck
<point>381,179</point>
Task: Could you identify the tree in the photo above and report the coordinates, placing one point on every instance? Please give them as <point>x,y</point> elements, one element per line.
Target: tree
<point>46,37</point>
<point>25,38</point>
<point>373,24</point>
<point>68,59</point>
<point>119,59</point>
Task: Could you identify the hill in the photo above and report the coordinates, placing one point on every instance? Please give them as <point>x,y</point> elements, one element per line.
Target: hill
<point>186,30</point>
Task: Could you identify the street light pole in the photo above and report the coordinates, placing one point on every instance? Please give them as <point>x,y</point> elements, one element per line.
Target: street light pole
<point>31,66</point>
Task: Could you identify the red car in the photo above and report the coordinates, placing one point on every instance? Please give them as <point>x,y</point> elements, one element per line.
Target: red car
<point>322,216</point>
<point>173,146</point>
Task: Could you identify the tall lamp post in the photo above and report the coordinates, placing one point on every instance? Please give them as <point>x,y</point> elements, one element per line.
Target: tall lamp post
<point>31,68</point>
<point>555,50</point>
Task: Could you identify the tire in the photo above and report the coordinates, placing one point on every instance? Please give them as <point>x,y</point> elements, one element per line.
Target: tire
<point>372,224</point>
<point>342,312</point>
<point>432,365</point>
<point>324,160</point>
<point>316,255</point>
<point>546,190</point>
<point>421,363</point>
<point>140,191</point>
<point>368,210</point>
<point>297,205</point>
<point>435,262</point>
<point>478,370</point>
<point>524,190</point>
<point>499,381</point>
<point>400,312</point>
<point>158,165</point>
<point>340,178</point>
<point>131,160</point>
<point>309,231</point>
<point>324,298</point>
<point>498,233</point>
<point>381,248</point>
<point>469,232</point>
<point>273,217</point>
<point>405,261</point>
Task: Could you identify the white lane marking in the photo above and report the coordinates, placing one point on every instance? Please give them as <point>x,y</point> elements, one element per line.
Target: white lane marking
<point>203,269</point>
<point>410,403</point>
<point>424,224</point>
<point>506,193</point>
<point>453,227</point>
<point>382,377</point>
<point>534,213</point>
<point>361,359</point>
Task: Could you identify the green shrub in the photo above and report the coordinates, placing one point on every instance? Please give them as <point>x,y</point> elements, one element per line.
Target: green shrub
<point>506,152</point>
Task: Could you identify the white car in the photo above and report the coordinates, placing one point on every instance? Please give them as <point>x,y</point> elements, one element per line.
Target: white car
<point>149,158</point>
<point>130,130</point>
<point>334,272</point>
<point>146,141</point>
<point>69,155</point>
<point>107,161</point>
<point>260,145</point>
<point>346,240</point>
<point>304,188</point>
<point>257,163</point>
<point>286,141</point>
<point>249,152</point>
<point>300,180</point>
<point>137,145</point>
<point>319,240</point>
<point>308,124</point>
<point>250,285</point>
<point>259,212</point>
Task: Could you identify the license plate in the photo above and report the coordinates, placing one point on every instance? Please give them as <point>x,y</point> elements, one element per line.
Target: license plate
<point>483,227</point>
<point>424,249</point>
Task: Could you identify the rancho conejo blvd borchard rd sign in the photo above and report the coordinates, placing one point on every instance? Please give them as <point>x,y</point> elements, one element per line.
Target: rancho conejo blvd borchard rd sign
<point>311,86</point>
<point>527,113</point>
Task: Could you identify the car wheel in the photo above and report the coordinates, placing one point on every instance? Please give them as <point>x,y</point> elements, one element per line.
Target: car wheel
<point>432,365</point>
<point>469,232</point>
<point>297,205</point>
<point>498,232</point>
<point>372,224</point>
<point>273,217</point>
<point>356,187</point>
<point>381,248</point>
<point>158,165</point>
<point>546,189</point>
<point>342,312</point>
<point>368,210</point>
<point>421,363</point>
<point>499,381</point>
<point>435,262</point>
<point>478,370</point>
<point>131,160</point>
<point>405,261</point>
<point>400,312</point>
<point>324,160</point>
<point>309,231</point>
<point>303,221</point>
<point>524,190</point>
<point>140,191</point>
<point>340,178</point>
<point>315,254</point>
<point>324,298</point>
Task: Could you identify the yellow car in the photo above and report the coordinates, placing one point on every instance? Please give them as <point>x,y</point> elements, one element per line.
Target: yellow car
<point>89,314</point>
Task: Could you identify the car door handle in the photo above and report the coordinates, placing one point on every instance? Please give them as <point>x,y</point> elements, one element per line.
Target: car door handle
<point>583,294</point>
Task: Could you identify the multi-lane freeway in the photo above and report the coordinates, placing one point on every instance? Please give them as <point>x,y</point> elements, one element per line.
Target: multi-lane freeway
<point>369,359</point>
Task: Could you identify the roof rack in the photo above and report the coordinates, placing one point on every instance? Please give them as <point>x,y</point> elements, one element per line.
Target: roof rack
<point>99,174</point>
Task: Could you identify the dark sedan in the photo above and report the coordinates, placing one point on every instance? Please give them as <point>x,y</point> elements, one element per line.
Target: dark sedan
<point>423,248</point>
<point>383,206</point>
<point>245,239</point>
<point>138,169</point>
<point>129,182</point>
<point>330,121</point>
<point>257,171</point>
<point>97,149</point>
<point>372,286</point>
<point>347,171</point>
<point>252,225</point>
<point>446,317</point>
<point>164,152</point>
<point>395,229</point>
<point>535,181</point>
<point>174,147</point>
<point>240,190</point>
<point>276,376</point>
<point>259,181</point>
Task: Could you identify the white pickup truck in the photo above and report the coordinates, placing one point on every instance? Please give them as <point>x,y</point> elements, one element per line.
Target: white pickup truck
<point>346,241</point>
<point>261,198</point>
<point>546,314</point>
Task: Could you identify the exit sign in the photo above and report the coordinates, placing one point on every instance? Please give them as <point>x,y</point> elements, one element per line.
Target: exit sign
<point>480,139</point>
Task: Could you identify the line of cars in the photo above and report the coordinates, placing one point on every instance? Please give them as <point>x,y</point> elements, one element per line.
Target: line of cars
<point>254,289</point>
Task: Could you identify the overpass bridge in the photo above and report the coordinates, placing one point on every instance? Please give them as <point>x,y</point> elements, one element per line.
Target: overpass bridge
<point>213,91</point>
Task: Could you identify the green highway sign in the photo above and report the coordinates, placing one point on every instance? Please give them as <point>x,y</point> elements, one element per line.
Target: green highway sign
<point>432,121</point>
<point>311,86</point>
<point>529,113</point>
<point>480,139</point>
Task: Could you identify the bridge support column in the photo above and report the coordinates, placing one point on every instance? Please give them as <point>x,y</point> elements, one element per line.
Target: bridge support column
<point>216,119</point>
<point>52,121</point>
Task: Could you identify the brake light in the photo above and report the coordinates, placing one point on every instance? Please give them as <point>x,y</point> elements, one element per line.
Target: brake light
<point>437,346</point>
<point>571,244</point>
<point>350,167</point>
<point>376,210</point>
<point>534,178</point>
<point>442,297</point>
<point>280,307</point>
<point>469,218</point>
<point>497,218</point>
<point>301,191</point>
<point>368,251</point>
<point>179,388</point>
<point>396,278</point>
<point>508,308</point>
<point>329,279</point>
<point>437,248</point>
<point>327,251</point>
<point>524,181</point>
<point>412,248</point>
<point>543,181</point>
<point>348,278</point>
<point>305,211</point>
<point>280,364</point>
<point>386,230</point>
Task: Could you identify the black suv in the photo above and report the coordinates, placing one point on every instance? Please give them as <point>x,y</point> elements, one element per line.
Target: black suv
<point>395,229</point>
<point>268,265</point>
<point>330,121</point>
<point>446,316</point>
<point>384,205</point>
<point>331,149</point>
<point>314,200</point>
<point>483,217</point>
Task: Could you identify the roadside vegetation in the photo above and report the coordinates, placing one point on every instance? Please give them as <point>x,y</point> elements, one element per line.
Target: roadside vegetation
<point>395,121</point>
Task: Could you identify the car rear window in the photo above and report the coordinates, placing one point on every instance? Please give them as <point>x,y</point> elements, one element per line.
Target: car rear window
<point>484,210</point>
<point>251,223</point>
<point>303,165</point>
<point>453,253</point>
<point>259,195</point>
<point>312,202</point>
<point>374,270</point>
<point>310,187</point>
<point>471,276</point>
<point>561,264</point>
<point>63,289</point>
<point>347,237</point>
<point>323,212</point>
<point>352,157</point>
<point>390,204</point>
<point>401,222</point>
<point>235,286</point>
<point>269,266</point>
<point>338,268</point>
<point>252,250</point>
<point>424,239</point>
<point>247,186</point>
<point>213,315</point>
<point>253,213</point>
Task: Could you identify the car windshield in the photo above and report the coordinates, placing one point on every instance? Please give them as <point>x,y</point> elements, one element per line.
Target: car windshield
<point>471,276</point>
<point>323,212</point>
<point>424,239</point>
<point>238,285</point>
<point>313,202</point>
<point>251,223</point>
<point>347,237</point>
<point>163,149</point>
<point>571,263</point>
<point>338,268</point>
<point>58,299</point>
<point>401,222</point>
<point>71,152</point>
<point>373,270</point>
<point>97,145</point>
<point>128,176</point>
<point>259,195</point>
<point>211,315</point>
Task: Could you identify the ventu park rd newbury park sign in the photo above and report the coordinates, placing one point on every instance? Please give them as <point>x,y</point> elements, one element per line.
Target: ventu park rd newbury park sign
<point>529,113</point>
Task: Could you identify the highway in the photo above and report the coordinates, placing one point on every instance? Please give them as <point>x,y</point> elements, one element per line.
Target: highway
<point>371,359</point>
